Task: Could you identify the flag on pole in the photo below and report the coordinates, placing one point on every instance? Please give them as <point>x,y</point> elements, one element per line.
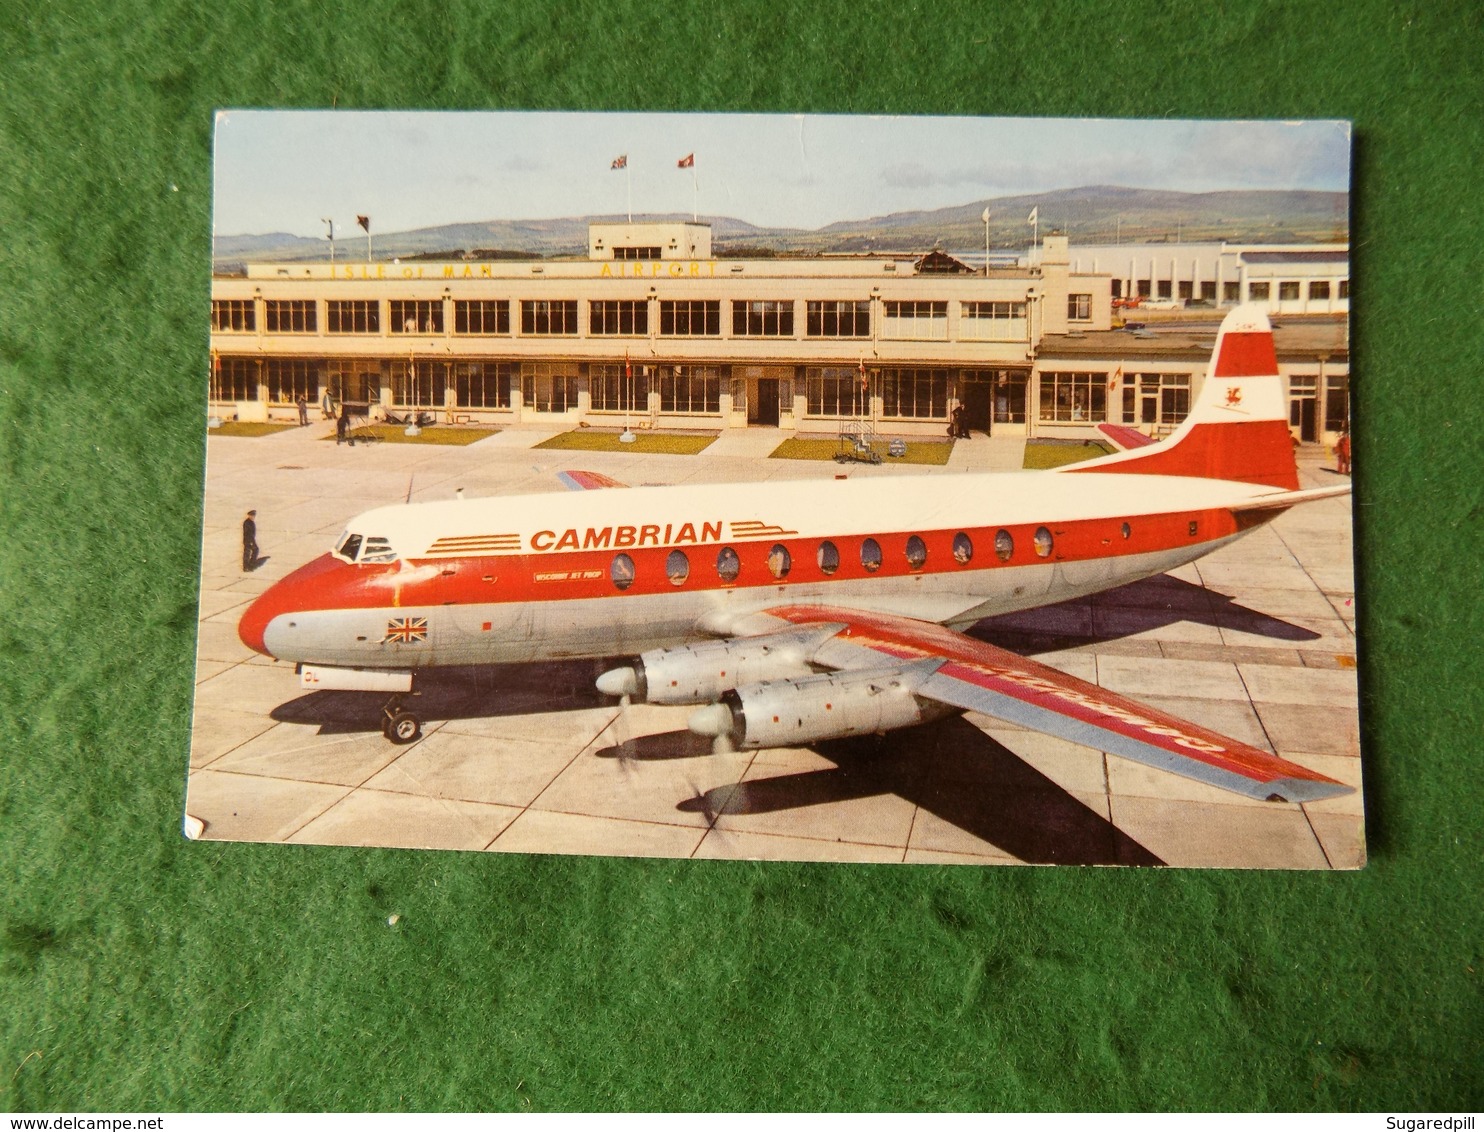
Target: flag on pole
<point>1035,215</point>
<point>985,217</point>
<point>621,162</point>
<point>687,162</point>
<point>364,222</point>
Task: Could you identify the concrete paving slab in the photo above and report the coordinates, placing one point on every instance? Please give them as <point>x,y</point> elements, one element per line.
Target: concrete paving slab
<point>1196,679</point>
<point>297,753</point>
<point>248,808</point>
<point>404,821</point>
<point>1294,728</point>
<point>1319,688</point>
<point>1342,838</point>
<point>740,845</point>
<point>1201,835</point>
<point>471,768</point>
<point>544,831</point>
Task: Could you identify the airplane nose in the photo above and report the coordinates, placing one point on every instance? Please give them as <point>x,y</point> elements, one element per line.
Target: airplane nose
<point>309,587</point>
<point>254,624</point>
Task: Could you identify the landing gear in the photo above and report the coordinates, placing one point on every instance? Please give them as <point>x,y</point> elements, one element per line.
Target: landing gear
<point>400,726</point>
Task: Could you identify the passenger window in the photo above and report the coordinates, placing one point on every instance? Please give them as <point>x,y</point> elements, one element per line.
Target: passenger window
<point>1042,541</point>
<point>871,555</point>
<point>622,571</point>
<point>1127,530</point>
<point>916,553</point>
<point>677,567</point>
<point>1004,545</point>
<point>779,561</point>
<point>828,558</point>
<point>963,548</point>
<point>1194,527</point>
<point>728,565</point>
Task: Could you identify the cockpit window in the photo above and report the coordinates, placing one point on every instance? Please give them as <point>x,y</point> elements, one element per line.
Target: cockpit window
<point>377,549</point>
<point>370,548</point>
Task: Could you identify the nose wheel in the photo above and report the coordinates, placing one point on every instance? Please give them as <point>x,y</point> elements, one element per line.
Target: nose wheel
<point>398,724</point>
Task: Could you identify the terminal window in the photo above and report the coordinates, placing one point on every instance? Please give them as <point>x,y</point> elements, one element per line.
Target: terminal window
<point>992,321</point>
<point>1074,397</point>
<point>548,316</point>
<point>1288,290</point>
<point>353,316</point>
<point>1344,289</point>
<point>1319,289</point>
<point>636,253</point>
<point>915,319</point>
<point>615,388</point>
<point>1231,292</point>
<point>914,393</point>
<point>1258,292</point>
<point>419,385</point>
<point>289,379</point>
<point>839,319</point>
<point>291,316</point>
<point>619,316</point>
<point>233,314</point>
<point>482,385</point>
<point>690,389</point>
<point>763,318</point>
<point>1079,307</point>
<point>481,316</point>
<point>836,391</point>
<point>690,317</point>
<point>234,379</point>
<point>417,316</point>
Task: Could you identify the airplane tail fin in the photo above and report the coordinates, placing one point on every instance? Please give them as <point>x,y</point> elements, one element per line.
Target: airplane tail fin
<point>1238,428</point>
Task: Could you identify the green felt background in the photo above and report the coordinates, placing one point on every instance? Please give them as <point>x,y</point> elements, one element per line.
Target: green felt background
<point>142,972</point>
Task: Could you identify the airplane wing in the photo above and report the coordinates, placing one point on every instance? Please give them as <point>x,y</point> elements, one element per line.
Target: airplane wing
<point>575,480</point>
<point>977,676</point>
<point>1124,437</point>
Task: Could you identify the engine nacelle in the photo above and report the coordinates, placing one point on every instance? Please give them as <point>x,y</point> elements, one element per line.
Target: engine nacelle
<point>699,674</point>
<point>791,713</point>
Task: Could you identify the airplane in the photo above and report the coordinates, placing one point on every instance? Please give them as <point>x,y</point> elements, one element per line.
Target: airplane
<point>792,613</point>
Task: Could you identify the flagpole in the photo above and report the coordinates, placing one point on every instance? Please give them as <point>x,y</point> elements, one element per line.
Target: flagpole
<point>986,243</point>
<point>629,181</point>
<point>695,190</point>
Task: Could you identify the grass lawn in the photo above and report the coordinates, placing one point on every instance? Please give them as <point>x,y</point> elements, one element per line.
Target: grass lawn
<point>1055,453</point>
<point>397,434</point>
<point>248,428</point>
<point>918,451</point>
<point>595,440</point>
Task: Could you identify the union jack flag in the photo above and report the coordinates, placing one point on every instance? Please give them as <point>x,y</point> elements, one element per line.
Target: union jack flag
<point>406,630</point>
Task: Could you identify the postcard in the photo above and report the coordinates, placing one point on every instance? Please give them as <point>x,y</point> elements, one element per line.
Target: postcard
<point>824,488</point>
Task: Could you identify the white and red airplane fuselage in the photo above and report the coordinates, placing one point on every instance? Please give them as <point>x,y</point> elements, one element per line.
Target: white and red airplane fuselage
<point>630,571</point>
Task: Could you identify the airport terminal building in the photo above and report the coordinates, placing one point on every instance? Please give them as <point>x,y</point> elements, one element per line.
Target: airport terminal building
<point>653,329</point>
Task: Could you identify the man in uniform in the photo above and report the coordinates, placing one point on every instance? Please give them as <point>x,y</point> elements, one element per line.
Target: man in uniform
<point>249,542</point>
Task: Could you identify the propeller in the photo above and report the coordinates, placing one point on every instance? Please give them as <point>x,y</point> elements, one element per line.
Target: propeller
<point>716,721</point>
<point>624,683</point>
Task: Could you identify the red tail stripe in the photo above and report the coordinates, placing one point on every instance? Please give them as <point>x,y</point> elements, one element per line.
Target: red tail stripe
<point>1246,354</point>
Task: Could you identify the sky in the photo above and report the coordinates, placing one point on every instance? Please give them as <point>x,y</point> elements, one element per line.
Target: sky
<point>285,171</point>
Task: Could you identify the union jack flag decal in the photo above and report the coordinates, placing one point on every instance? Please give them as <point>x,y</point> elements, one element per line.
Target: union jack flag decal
<point>406,630</point>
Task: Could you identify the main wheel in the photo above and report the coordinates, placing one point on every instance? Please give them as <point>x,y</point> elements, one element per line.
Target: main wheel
<point>402,727</point>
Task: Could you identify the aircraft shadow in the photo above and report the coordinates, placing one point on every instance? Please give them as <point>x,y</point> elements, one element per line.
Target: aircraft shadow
<point>1153,603</point>
<point>949,768</point>
<point>476,692</point>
